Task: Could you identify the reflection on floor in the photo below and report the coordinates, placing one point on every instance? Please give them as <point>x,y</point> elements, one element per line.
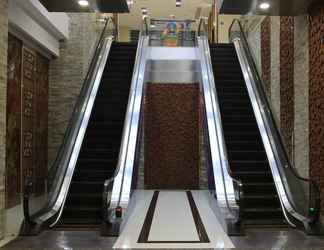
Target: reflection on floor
<point>254,239</point>
<point>179,209</point>
<point>63,240</point>
<point>173,222</point>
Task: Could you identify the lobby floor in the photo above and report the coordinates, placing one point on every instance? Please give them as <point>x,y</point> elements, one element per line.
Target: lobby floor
<point>254,239</point>
<point>166,220</point>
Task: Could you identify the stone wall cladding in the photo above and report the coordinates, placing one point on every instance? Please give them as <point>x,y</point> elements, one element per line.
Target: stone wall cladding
<point>171,136</point>
<point>66,77</point>
<point>316,94</point>
<point>275,68</point>
<point>287,81</point>
<point>301,88</point>
<point>3,101</point>
<point>266,55</point>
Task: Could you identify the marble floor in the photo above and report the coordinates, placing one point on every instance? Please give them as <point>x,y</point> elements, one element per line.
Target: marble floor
<point>173,224</point>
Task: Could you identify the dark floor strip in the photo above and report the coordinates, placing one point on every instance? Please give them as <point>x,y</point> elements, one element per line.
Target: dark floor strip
<point>143,238</point>
<point>203,237</point>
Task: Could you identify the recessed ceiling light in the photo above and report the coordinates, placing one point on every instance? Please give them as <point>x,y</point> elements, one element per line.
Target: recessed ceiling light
<point>264,6</point>
<point>83,3</point>
<point>144,11</point>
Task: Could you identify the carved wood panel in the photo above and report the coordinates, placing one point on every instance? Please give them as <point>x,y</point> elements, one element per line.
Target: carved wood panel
<point>13,167</point>
<point>41,122</point>
<point>28,113</point>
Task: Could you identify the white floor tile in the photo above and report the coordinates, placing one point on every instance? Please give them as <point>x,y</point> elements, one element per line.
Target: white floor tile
<point>160,230</point>
<point>174,214</point>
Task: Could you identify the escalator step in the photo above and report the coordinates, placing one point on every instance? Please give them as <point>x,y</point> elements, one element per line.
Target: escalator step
<point>245,150</point>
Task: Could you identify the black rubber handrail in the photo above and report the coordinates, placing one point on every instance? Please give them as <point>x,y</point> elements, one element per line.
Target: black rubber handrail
<point>314,198</point>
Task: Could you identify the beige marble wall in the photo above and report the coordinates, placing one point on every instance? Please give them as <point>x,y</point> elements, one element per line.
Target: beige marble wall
<point>252,27</point>
<point>275,67</point>
<point>3,101</point>
<point>67,74</point>
<point>301,88</point>
<point>301,81</point>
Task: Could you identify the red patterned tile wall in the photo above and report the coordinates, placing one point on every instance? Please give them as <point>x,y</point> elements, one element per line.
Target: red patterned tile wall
<point>171,132</point>
<point>266,54</point>
<point>316,94</point>
<point>287,80</point>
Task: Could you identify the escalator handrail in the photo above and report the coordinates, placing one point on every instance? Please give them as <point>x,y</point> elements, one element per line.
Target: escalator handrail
<point>223,159</point>
<point>61,169</point>
<point>270,120</point>
<point>123,176</point>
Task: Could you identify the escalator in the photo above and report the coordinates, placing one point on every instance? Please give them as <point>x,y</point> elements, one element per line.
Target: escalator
<point>100,148</point>
<point>255,184</point>
<point>246,154</point>
<point>89,153</point>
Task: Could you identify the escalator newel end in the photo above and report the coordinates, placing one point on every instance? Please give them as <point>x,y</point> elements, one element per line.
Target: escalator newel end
<point>119,212</point>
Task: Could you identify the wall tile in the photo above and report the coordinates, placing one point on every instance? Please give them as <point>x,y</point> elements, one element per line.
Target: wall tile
<point>287,81</point>
<point>316,94</point>
<point>301,88</point>
<point>266,55</point>
<point>3,97</point>
<point>67,74</point>
<point>275,68</point>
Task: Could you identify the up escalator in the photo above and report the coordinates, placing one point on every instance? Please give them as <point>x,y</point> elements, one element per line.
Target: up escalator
<point>246,154</point>
<point>100,148</point>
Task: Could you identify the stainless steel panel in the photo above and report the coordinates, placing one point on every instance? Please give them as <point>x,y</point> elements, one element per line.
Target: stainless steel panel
<point>224,205</point>
<point>122,187</point>
<point>173,71</point>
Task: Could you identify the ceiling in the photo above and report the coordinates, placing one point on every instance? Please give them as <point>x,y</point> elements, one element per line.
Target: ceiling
<point>108,6</point>
<point>277,7</point>
<point>163,9</point>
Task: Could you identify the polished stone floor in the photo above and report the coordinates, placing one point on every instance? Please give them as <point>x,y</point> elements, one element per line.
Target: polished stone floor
<point>255,239</point>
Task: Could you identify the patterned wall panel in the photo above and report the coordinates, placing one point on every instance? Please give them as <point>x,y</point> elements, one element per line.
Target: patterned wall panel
<point>316,94</point>
<point>266,54</point>
<point>41,121</point>
<point>171,136</point>
<point>13,167</point>
<point>287,81</point>
<point>28,113</point>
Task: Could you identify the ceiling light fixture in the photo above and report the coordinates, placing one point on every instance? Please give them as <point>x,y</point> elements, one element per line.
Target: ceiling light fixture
<point>144,11</point>
<point>178,3</point>
<point>83,3</point>
<point>264,6</point>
